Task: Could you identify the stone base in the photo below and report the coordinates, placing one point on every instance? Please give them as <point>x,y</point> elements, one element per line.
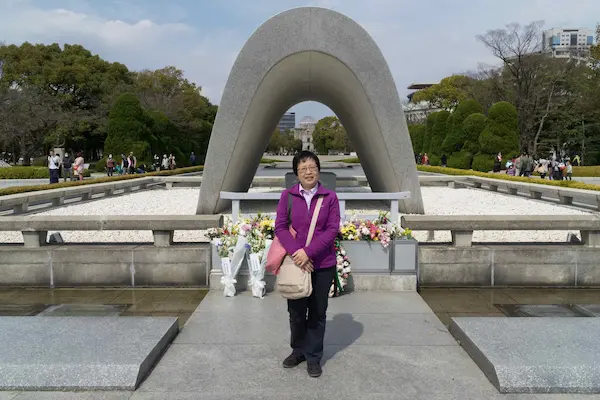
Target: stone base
<point>356,282</point>
<point>533,355</point>
<point>81,353</point>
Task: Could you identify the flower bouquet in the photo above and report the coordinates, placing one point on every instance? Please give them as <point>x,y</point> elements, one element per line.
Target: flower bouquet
<point>343,270</point>
<point>260,238</point>
<point>225,247</point>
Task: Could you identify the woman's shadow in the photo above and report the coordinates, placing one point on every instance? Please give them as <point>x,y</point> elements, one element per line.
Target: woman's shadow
<point>341,332</point>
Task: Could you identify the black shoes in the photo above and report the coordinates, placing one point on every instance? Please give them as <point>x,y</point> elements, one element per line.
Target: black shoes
<point>293,360</point>
<point>314,369</point>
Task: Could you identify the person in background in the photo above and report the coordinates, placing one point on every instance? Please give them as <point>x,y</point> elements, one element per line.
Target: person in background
<point>497,163</point>
<point>425,159</point>
<point>53,166</point>
<point>165,162</point>
<point>444,159</point>
<point>172,163</point>
<point>124,164</point>
<point>67,167</point>
<point>192,159</point>
<point>110,165</point>
<point>569,170</point>
<point>132,163</point>
<point>78,166</point>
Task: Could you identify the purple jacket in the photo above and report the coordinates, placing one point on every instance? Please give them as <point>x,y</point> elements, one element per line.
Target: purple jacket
<point>322,247</point>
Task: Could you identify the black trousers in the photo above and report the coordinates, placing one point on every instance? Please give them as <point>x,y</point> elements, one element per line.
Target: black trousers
<point>308,317</point>
<point>54,176</point>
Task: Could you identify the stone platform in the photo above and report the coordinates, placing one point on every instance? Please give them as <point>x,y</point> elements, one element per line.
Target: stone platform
<point>81,353</point>
<point>534,355</point>
<point>378,345</point>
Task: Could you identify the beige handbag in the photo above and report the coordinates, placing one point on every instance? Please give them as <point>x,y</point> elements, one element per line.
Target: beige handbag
<point>293,282</point>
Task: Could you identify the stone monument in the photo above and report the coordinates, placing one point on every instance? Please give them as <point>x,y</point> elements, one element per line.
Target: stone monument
<point>306,54</point>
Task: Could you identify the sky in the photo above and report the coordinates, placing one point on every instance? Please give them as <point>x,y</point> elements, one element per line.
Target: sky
<point>423,41</point>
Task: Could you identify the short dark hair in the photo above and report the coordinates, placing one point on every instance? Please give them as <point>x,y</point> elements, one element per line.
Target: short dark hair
<point>303,156</point>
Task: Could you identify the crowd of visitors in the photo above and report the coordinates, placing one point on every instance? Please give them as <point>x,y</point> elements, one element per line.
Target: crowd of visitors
<point>553,168</point>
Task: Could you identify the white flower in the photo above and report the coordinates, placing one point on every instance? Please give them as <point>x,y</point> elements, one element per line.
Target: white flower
<point>343,252</point>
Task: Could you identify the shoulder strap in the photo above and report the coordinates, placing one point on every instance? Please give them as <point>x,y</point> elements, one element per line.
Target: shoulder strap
<point>313,222</point>
<point>289,208</point>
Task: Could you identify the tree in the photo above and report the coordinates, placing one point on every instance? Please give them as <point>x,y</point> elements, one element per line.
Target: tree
<point>438,132</point>
<point>329,134</point>
<point>25,116</point>
<point>128,128</point>
<point>167,91</point>
<point>534,82</point>
<point>446,94</point>
<point>81,83</point>
<point>417,137</point>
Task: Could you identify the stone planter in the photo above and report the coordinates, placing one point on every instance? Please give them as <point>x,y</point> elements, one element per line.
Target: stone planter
<point>405,259</point>
<point>368,257</point>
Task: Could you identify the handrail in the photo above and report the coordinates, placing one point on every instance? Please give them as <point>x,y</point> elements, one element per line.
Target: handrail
<point>462,226</point>
<point>35,228</point>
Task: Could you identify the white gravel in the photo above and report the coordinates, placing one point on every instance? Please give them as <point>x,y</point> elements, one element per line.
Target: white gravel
<point>437,200</point>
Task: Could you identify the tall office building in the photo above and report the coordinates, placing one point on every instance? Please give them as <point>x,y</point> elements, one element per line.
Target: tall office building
<point>566,43</point>
<point>287,122</point>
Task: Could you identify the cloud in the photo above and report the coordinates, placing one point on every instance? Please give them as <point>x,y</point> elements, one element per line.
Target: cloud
<point>422,40</point>
<point>206,59</point>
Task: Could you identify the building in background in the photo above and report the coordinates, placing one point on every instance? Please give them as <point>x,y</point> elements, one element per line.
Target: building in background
<point>287,122</point>
<point>568,43</point>
<point>417,113</point>
<point>305,133</point>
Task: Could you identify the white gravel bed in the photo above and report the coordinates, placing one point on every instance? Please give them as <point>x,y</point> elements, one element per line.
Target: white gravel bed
<point>437,201</point>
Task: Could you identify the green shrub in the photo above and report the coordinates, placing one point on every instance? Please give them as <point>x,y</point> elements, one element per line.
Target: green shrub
<point>472,127</point>
<point>438,133</point>
<point>460,160</point>
<point>417,137</point>
<point>483,163</point>
<point>435,160</point>
<point>455,139</point>
<point>36,188</point>
<point>500,133</point>
<point>40,162</point>
<point>452,171</point>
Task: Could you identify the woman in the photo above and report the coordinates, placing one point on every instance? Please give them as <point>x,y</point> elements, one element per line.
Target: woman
<point>110,165</point>
<point>78,166</point>
<point>307,332</point>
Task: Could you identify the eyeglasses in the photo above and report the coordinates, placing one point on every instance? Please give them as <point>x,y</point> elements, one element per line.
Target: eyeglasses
<point>312,168</point>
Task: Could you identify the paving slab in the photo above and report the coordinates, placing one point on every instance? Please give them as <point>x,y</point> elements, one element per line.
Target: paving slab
<point>534,355</point>
<point>81,353</point>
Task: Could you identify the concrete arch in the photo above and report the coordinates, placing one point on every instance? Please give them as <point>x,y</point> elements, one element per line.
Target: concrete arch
<point>310,54</point>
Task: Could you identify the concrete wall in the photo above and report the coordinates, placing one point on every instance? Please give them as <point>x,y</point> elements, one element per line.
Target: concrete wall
<point>509,265</point>
<point>189,265</point>
<point>105,265</point>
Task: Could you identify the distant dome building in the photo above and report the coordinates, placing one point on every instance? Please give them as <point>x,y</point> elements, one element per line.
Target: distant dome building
<point>304,132</point>
<point>307,121</point>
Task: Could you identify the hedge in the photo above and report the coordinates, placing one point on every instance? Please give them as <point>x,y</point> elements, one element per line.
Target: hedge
<point>502,176</point>
<point>36,188</point>
<point>29,173</point>
<point>591,171</point>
